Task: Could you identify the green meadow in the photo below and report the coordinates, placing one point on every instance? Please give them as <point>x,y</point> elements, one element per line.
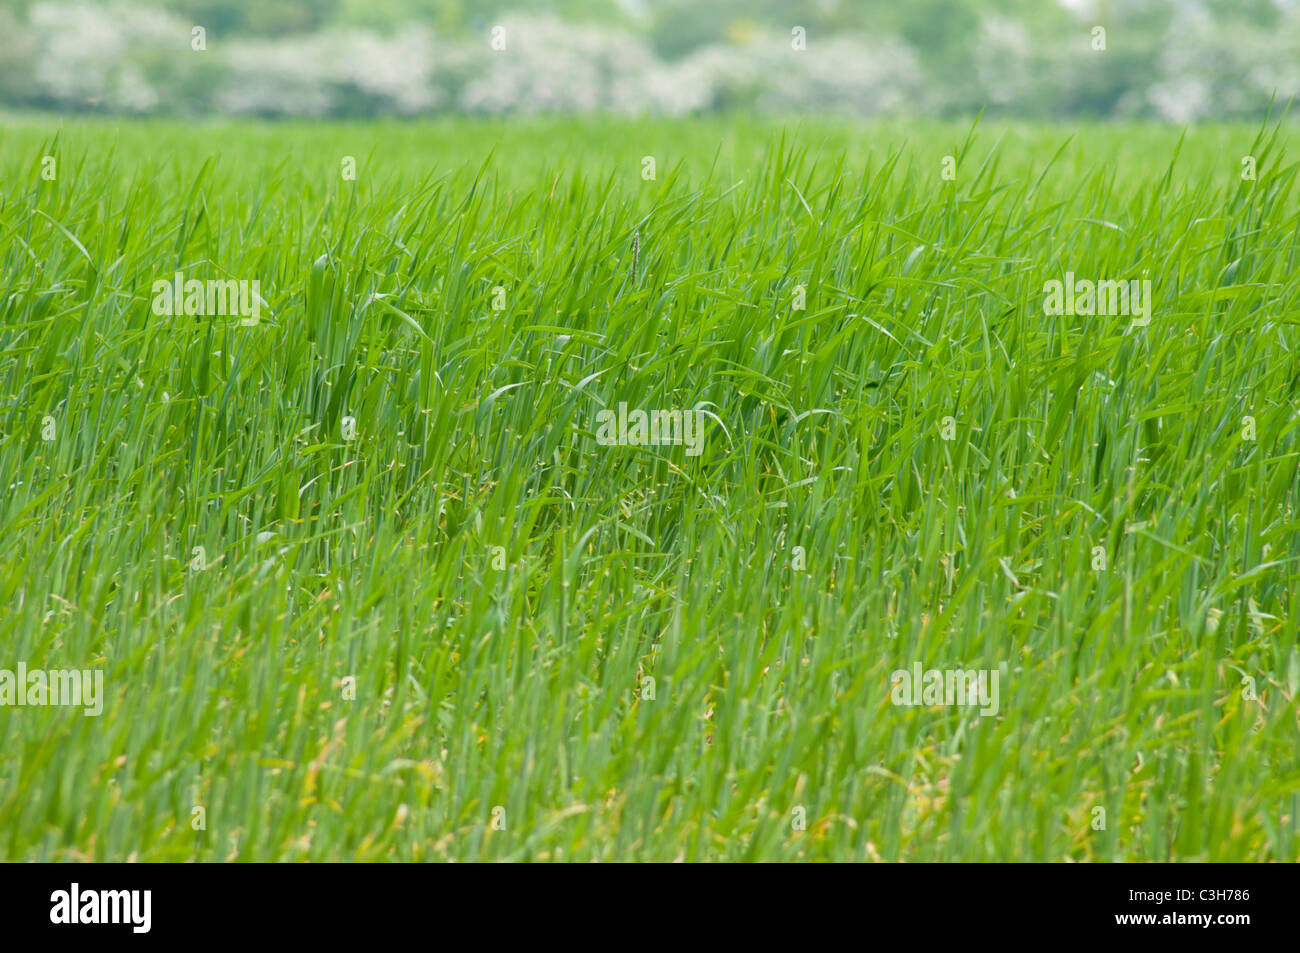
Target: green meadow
<point>363,584</point>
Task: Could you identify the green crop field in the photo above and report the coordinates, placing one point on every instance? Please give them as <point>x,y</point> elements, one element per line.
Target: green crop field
<point>364,580</point>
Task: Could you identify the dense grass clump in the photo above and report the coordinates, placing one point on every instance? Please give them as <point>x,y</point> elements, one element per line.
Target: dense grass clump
<point>363,584</point>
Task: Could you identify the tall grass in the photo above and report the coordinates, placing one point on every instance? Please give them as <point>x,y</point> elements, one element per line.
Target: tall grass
<point>366,567</point>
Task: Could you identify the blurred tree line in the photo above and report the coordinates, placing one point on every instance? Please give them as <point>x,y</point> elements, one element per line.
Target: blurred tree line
<point>940,29</point>
<point>1171,58</point>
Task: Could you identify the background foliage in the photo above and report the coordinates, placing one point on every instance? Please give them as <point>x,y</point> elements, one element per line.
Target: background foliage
<point>1178,60</point>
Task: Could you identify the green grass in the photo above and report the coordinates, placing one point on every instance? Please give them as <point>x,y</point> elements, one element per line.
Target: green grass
<point>520,687</point>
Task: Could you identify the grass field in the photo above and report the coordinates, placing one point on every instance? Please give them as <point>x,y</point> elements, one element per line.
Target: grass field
<point>364,585</point>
